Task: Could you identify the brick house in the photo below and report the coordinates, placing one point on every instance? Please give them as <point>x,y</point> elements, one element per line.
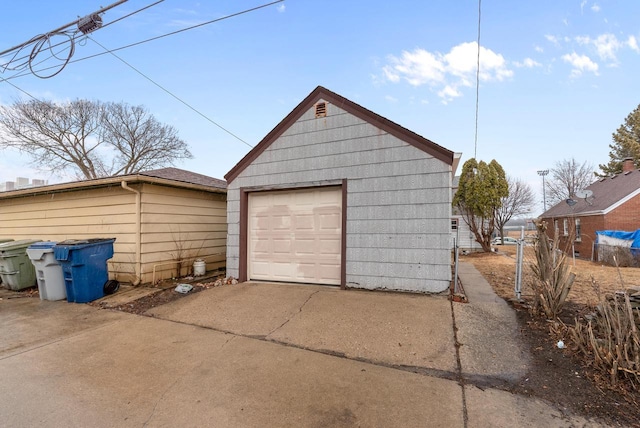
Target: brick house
<point>614,205</point>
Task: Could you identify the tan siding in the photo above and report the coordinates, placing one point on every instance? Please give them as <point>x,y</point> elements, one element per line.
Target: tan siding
<point>195,219</point>
<point>181,224</point>
<point>94,213</point>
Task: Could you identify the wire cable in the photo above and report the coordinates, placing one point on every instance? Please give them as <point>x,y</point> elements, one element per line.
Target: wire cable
<point>475,142</point>
<point>170,93</point>
<point>159,37</point>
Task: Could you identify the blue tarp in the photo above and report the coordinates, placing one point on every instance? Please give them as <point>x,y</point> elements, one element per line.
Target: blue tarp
<point>634,237</point>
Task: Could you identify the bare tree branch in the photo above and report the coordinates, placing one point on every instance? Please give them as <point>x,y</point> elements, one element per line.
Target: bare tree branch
<point>520,200</point>
<point>90,138</point>
<point>567,177</point>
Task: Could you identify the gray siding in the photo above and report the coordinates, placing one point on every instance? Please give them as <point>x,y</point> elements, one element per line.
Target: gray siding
<point>398,200</point>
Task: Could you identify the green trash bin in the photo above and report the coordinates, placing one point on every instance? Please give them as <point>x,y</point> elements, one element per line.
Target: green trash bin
<point>16,270</point>
<point>2,241</point>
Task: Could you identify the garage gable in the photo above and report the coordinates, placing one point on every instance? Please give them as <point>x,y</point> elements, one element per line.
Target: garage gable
<point>323,94</point>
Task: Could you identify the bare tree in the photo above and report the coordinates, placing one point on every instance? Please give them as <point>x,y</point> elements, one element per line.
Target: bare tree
<point>520,200</point>
<point>90,138</point>
<point>140,141</point>
<point>567,177</point>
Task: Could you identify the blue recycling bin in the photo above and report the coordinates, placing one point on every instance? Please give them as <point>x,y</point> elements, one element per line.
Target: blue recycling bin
<point>84,267</point>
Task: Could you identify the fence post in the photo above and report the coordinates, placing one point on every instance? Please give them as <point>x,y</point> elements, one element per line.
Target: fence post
<point>519,262</point>
<point>455,270</point>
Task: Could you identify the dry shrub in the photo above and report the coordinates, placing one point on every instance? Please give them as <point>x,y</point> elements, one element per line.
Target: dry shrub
<point>617,256</point>
<point>610,338</point>
<point>553,280</point>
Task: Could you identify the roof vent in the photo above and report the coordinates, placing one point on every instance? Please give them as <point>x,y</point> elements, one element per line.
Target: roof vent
<point>321,109</point>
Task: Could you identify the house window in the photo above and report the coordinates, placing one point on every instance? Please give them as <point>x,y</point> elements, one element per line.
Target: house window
<point>578,230</point>
<point>565,227</point>
<point>454,224</point>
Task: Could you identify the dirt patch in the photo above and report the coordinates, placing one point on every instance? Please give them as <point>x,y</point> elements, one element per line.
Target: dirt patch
<point>167,293</point>
<point>563,376</point>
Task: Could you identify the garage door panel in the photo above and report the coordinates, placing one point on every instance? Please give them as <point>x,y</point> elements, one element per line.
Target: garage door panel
<point>304,222</point>
<point>281,246</point>
<point>295,235</point>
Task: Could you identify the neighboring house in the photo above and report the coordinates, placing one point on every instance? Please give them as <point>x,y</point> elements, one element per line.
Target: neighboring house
<point>460,229</point>
<point>157,217</point>
<point>336,194</point>
<point>614,205</point>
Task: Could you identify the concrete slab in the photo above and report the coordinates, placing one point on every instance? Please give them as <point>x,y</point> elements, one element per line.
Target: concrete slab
<point>488,332</point>
<point>147,372</point>
<point>250,309</point>
<point>28,322</point>
<point>500,409</point>
<point>390,328</point>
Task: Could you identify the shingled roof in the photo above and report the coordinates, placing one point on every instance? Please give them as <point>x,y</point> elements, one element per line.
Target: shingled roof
<point>177,174</point>
<point>608,194</point>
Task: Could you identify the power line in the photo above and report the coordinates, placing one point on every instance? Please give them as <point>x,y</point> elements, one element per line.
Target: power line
<point>475,143</point>
<point>85,25</point>
<point>171,93</point>
<point>64,43</point>
<point>163,35</point>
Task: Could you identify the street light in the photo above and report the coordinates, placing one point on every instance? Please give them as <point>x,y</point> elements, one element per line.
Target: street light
<point>544,193</point>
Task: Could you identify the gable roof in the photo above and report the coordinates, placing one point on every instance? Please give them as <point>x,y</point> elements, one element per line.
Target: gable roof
<point>349,106</point>
<point>608,194</point>
<point>165,176</point>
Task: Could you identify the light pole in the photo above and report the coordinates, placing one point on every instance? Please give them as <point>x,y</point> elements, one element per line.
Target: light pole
<point>544,193</point>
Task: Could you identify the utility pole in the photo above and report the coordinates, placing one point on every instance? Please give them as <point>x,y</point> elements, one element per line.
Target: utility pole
<point>542,173</point>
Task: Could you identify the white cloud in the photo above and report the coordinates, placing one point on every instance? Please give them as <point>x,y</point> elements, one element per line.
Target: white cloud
<point>538,49</point>
<point>583,3</point>
<point>633,43</point>
<point>606,45</point>
<point>595,7</point>
<point>391,99</point>
<point>447,72</point>
<point>281,8</point>
<point>580,64</point>
<point>565,21</point>
<point>527,63</point>
<point>552,39</point>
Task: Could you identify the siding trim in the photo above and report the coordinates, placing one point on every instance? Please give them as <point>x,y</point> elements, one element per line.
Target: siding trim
<point>404,134</point>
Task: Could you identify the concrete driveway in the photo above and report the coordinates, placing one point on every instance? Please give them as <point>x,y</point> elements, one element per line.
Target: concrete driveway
<point>265,355</point>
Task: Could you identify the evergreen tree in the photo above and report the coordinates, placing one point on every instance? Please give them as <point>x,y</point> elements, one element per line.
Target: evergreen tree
<point>480,191</point>
<point>626,144</point>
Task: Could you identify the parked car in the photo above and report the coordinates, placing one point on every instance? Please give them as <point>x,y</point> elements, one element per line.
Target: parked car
<point>507,241</point>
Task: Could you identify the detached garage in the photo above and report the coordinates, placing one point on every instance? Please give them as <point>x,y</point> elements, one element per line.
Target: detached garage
<point>338,195</point>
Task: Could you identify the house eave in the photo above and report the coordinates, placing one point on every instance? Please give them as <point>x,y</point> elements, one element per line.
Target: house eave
<point>105,182</point>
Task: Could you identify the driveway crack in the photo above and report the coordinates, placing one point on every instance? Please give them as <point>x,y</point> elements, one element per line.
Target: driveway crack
<point>461,380</point>
<point>299,311</point>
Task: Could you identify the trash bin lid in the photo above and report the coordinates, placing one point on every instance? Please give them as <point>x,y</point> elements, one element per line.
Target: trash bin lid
<point>84,241</point>
<point>42,245</point>
<point>17,245</point>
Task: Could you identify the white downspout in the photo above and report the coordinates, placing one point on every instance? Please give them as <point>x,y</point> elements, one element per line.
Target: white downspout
<point>138,266</point>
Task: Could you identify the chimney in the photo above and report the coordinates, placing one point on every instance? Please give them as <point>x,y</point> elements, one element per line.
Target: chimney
<point>627,165</point>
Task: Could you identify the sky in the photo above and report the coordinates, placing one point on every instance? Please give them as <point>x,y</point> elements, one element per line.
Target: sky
<point>557,78</point>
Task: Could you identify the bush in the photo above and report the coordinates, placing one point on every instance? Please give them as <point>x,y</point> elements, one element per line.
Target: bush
<point>553,280</point>
<point>610,338</point>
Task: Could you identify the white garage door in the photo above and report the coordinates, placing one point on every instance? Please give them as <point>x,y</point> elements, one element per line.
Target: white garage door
<point>295,236</point>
